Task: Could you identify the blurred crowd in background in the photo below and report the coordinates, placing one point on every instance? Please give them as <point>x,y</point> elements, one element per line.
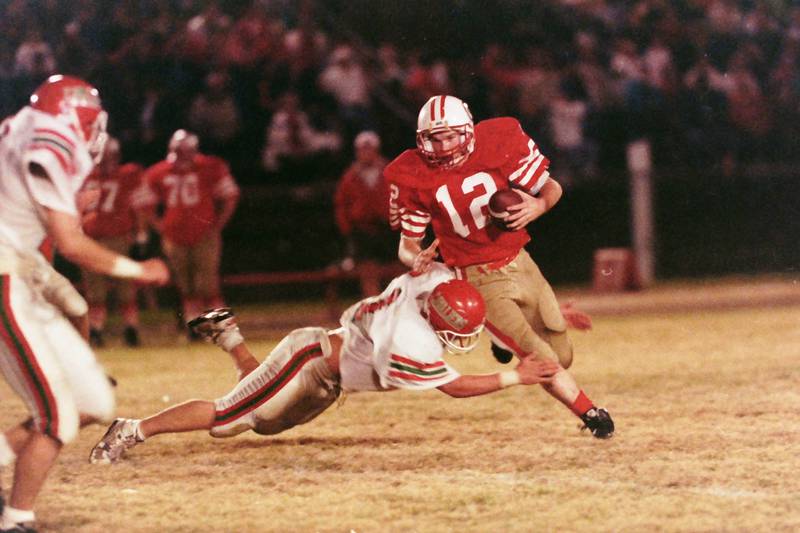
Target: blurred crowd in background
<point>281,88</point>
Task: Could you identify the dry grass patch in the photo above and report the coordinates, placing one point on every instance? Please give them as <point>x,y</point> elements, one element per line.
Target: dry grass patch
<point>706,406</point>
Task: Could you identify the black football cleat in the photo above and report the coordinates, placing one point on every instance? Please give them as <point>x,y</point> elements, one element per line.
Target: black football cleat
<point>131,336</point>
<point>96,338</point>
<point>502,355</point>
<point>598,421</point>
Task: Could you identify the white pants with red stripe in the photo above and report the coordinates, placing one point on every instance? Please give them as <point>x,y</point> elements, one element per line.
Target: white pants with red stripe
<point>47,362</point>
<point>292,386</point>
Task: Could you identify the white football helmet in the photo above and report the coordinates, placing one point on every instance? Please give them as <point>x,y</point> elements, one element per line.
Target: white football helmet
<point>182,145</point>
<point>441,114</point>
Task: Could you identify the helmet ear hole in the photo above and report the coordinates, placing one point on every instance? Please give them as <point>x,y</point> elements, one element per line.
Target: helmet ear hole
<point>457,312</point>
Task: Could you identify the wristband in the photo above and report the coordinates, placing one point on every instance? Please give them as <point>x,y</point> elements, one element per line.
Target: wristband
<point>126,268</point>
<point>509,378</point>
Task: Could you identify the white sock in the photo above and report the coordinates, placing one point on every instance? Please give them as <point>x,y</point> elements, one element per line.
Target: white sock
<point>7,455</point>
<point>230,339</point>
<point>137,430</point>
<point>12,517</point>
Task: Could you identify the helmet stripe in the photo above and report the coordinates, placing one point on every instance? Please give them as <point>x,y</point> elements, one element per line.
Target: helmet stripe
<point>433,109</point>
<point>441,106</point>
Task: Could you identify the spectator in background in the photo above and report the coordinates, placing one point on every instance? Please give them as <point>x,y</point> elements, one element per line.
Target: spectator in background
<point>346,80</point>
<point>536,84</point>
<point>215,116</point>
<point>426,76</point>
<point>34,55</point>
<point>196,196</point>
<point>574,153</point>
<point>361,210</point>
<point>293,147</point>
<point>749,110</point>
<point>709,137</point>
<point>113,222</point>
<point>390,73</point>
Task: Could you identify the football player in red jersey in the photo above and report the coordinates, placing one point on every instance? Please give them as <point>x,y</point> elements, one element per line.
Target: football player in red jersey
<point>112,220</point>
<point>198,196</point>
<point>360,211</point>
<point>446,182</point>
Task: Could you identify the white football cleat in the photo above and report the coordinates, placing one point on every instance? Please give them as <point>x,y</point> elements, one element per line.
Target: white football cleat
<point>120,436</point>
<point>218,326</point>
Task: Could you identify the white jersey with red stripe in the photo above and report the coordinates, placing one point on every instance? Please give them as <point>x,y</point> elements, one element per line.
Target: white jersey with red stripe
<point>389,344</point>
<point>34,137</point>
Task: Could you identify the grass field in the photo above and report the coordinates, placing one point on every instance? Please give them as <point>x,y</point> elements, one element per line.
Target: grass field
<point>706,405</point>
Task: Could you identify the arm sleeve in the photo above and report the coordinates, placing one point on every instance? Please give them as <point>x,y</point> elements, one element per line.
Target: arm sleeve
<point>226,186</point>
<point>341,202</point>
<point>414,218</point>
<point>526,167</point>
<point>58,189</point>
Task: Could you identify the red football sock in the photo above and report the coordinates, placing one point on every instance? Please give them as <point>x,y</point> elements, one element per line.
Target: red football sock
<point>581,404</point>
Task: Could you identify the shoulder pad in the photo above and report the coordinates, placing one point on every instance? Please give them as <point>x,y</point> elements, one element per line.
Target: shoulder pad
<point>496,139</point>
<point>499,126</point>
<point>153,171</point>
<point>409,170</point>
<point>131,168</point>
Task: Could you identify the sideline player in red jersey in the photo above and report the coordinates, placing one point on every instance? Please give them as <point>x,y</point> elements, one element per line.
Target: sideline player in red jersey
<point>113,221</point>
<point>447,182</point>
<point>198,196</point>
<point>360,211</point>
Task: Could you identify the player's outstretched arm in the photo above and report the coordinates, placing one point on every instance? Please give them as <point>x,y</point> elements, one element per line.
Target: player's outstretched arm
<point>528,372</point>
<point>73,244</point>
<point>412,255</point>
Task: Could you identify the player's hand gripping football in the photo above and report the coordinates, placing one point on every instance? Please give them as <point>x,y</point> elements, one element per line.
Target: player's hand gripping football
<point>520,215</point>
<point>422,263</point>
<point>154,272</point>
<point>532,371</point>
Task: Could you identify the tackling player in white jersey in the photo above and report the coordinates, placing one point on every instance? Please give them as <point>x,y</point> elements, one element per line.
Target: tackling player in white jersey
<point>395,340</point>
<point>46,151</point>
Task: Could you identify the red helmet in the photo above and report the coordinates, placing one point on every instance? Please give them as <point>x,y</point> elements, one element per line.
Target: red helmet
<point>456,311</point>
<point>78,104</point>
<point>442,115</point>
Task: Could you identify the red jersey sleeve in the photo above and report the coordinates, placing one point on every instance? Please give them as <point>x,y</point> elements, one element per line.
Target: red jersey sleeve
<point>525,165</point>
<point>406,212</point>
<point>341,202</point>
<point>225,186</point>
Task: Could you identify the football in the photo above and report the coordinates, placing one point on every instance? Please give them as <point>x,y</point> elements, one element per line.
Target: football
<point>499,204</point>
